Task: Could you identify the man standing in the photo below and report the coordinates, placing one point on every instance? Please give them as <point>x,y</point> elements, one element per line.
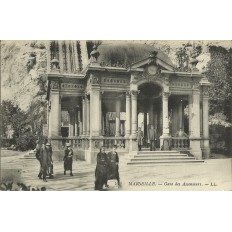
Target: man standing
<point>113,161</point>
<point>37,155</point>
<point>140,138</point>
<point>45,159</point>
<point>152,137</point>
<point>101,170</point>
<point>68,159</point>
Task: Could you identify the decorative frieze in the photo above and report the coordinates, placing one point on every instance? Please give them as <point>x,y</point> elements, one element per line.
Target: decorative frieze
<point>180,84</point>
<point>72,86</point>
<point>114,81</point>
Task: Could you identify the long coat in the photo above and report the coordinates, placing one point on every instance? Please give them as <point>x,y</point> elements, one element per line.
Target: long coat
<point>152,134</point>
<point>101,171</point>
<point>113,161</point>
<point>68,159</point>
<point>140,138</point>
<point>45,159</point>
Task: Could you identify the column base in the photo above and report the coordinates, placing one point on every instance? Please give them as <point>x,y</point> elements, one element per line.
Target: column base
<point>133,146</point>
<point>165,142</point>
<point>205,153</point>
<point>195,146</point>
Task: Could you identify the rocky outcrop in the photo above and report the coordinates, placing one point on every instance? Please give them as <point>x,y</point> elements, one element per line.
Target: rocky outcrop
<point>23,65</point>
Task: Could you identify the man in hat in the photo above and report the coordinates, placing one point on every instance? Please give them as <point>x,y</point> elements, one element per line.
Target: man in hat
<point>37,155</point>
<point>113,161</point>
<point>152,137</point>
<point>140,138</point>
<point>50,162</point>
<point>45,159</point>
<point>68,159</point>
<point>101,170</point>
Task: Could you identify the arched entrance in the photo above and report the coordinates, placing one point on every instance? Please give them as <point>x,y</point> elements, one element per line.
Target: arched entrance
<point>150,111</point>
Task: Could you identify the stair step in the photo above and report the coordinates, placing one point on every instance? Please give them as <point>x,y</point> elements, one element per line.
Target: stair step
<point>165,162</point>
<point>164,158</point>
<point>161,156</point>
<point>158,152</point>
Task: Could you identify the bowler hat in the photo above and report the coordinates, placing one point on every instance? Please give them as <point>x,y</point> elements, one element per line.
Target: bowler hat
<point>48,144</point>
<point>68,144</point>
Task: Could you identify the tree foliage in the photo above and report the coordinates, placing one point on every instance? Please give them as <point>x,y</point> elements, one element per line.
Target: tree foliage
<point>220,75</point>
<point>26,126</point>
<point>13,117</point>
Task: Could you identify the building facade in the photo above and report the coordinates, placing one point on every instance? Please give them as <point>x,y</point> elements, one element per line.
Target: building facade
<point>101,96</point>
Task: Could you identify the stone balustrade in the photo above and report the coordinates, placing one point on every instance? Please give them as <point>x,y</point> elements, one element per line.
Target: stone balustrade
<point>180,143</point>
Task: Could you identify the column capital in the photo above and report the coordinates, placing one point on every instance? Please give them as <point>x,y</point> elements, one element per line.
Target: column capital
<point>134,93</point>
<point>55,85</point>
<point>165,94</point>
<point>205,92</point>
<point>128,93</point>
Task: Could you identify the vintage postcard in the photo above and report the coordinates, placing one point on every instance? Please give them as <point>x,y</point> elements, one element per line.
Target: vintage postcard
<point>116,115</point>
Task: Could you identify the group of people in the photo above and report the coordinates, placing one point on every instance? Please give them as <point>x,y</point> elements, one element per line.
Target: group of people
<point>107,168</point>
<point>44,156</point>
<point>151,137</point>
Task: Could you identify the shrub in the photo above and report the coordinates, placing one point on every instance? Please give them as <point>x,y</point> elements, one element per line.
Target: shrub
<point>26,141</point>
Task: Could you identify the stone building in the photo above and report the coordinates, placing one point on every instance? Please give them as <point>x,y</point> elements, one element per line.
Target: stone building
<point>101,96</point>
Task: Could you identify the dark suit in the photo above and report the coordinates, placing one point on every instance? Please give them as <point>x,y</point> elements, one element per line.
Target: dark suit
<point>113,161</point>
<point>152,137</point>
<point>101,171</point>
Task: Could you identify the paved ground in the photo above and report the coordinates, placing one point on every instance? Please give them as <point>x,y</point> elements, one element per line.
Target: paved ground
<point>214,174</point>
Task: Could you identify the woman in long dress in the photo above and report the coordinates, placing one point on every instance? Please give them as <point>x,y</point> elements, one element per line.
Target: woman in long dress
<point>68,159</point>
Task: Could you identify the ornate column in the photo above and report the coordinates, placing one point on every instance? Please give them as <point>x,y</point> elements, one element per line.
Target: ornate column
<point>151,112</point>
<point>68,56</point>
<point>145,125</point>
<point>190,105</point>
<point>100,112</point>
<point>84,116</point>
<point>165,114</point>
<point>117,120</point>
<point>61,60</point>
<point>80,122</point>
<point>205,101</point>
<point>195,125</point>
<point>165,138</point>
<point>55,114</point>
<point>84,53</point>
<point>128,114</point>
<point>180,115</point>
<point>95,112</point>
<point>71,123</point>
<point>76,123</point>
<point>134,117</point>
<point>87,116</point>
<point>76,56</point>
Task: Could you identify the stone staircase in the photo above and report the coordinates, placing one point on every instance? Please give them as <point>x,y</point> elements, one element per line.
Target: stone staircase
<point>30,155</point>
<point>150,158</point>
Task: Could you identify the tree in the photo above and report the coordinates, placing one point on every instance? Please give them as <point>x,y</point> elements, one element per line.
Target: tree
<point>13,117</point>
<point>220,75</point>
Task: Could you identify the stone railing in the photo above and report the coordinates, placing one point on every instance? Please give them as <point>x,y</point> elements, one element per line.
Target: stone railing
<point>180,143</point>
<point>109,142</point>
<point>76,142</point>
<point>95,143</point>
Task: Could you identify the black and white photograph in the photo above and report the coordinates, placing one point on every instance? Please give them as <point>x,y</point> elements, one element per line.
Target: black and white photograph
<point>116,115</point>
